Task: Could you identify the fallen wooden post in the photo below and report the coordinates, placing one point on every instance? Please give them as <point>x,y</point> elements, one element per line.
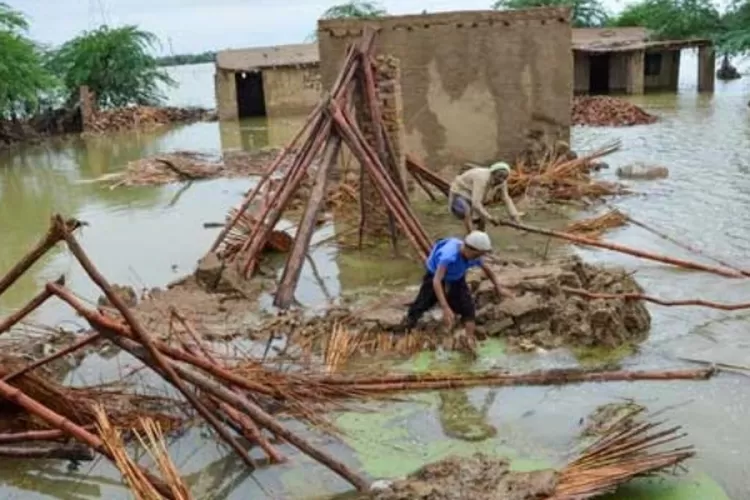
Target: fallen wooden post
<point>623,249</point>
<point>28,436</point>
<point>417,169</point>
<point>416,382</point>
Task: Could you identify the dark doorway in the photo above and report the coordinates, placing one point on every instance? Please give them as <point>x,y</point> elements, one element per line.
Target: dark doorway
<point>599,74</point>
<point>251,100</point>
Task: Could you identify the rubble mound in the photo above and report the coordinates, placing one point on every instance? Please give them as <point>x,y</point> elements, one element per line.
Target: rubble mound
<point>603,111</point>
<point>480,477</point>
<point>144,117</point>
<point>545,313</point>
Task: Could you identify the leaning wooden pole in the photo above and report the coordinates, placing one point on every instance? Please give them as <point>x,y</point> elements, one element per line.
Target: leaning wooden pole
<point>169,374</point>
<point>52,238</point>
<point>30,307</point>
<point>580,240</point>
<point>293,268</point>
<point>250,196</point>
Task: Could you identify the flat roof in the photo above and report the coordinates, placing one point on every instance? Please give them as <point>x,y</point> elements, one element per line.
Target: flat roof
<point>255,58</point>
<point>593,40</point>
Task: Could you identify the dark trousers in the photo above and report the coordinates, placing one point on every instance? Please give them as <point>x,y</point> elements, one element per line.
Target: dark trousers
<point>457,293</point>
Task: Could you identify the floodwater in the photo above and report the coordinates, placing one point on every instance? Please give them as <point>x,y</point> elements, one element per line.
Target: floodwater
<point>146,237</point>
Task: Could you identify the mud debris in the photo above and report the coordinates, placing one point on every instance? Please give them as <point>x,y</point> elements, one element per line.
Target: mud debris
<point>607,417</point>
<point>605,111</point>
<point>480,477</point>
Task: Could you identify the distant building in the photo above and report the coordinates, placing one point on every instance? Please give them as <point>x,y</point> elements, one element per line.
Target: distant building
<point>267,81</point>
<point>627,60</point>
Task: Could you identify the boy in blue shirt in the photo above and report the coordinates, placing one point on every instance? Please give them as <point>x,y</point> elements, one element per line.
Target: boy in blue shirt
<point>444,283</point>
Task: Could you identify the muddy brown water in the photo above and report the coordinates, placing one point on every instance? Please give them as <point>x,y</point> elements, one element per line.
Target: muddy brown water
<point>147,237</point>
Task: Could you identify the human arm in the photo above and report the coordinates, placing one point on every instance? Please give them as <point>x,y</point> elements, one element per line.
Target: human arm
<point>437,285</point>
<point>478,192</point>
<point>509,203</point>
<point>501,290</point>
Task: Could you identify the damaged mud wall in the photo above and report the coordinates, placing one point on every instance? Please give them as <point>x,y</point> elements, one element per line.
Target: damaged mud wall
<point>291,90</point>
<point>473,83</point>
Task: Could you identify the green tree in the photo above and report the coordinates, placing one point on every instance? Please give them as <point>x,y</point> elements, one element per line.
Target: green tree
<point>673,19</point>
<point>24,81</point>
<point>116,63</point>
<point>735,38</point>
<point>585,13</point>
<point>357,9</point>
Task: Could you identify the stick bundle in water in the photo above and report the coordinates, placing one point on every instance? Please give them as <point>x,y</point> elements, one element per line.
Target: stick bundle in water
<point>622,454</point>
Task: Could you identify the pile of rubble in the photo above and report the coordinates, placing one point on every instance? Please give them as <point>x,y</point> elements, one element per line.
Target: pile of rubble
<point>604,111</point>
<point>143,117</point>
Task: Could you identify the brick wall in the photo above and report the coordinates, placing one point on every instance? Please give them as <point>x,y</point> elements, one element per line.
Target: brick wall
<point>473,83</point>
<point>226,94</point>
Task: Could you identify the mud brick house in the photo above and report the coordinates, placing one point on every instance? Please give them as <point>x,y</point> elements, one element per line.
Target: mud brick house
<point>267,81</point>
<point>627,60</point>
<point>473,83</point>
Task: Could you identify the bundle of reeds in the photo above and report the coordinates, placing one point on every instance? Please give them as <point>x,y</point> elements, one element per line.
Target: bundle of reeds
<point>625,452</point>
<point>595,227</point>
<point>139,483</point>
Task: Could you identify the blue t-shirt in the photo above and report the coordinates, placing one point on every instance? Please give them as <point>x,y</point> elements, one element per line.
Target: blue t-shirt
<point>447,252</point>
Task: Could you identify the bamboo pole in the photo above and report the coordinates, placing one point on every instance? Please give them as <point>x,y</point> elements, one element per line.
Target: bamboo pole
<point>412,382</point>
<point>655,300</point>
<point>293,268</point>
<point>52,238</point>
<point>283,196</point>
<point>254,434</point>
<point>623,249</point>
<point>294,175</point>
<point>685,246</point>
<point>142,337</point>
<point>412,227</point>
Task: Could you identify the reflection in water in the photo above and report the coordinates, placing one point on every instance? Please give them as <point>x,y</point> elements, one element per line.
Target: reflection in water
<point>462,420</point>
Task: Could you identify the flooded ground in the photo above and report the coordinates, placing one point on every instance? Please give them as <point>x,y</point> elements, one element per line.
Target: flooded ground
<point>147,237</point>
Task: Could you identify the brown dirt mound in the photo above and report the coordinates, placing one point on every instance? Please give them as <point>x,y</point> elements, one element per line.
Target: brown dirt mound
<point>477,478</point>
<point>603,111</point>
